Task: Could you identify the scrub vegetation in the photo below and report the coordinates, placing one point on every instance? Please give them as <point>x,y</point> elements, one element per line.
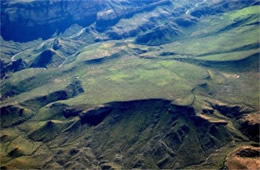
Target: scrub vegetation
<point>167,85</point>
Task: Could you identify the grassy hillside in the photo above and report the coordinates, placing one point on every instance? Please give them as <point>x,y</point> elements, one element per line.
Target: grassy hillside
<point>157,97</point>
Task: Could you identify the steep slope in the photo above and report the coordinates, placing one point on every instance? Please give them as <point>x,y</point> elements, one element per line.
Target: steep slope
<point>46,58</point>
<point>135,134</point>
<point>57,16</point>
<point>161,35</point>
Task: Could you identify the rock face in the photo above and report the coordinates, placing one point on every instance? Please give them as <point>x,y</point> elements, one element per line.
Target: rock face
<point>246,157</point>
<point>42,23</point>
<point>24,21</point>
<point>56,44</point>
<point>250,126</point>
<point>249,152</point>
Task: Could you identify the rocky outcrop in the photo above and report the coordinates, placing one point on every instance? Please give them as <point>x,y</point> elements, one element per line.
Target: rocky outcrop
<point>249,152</point>
<point>56,44</point>
<point>246,157</point>
<point>23,21</point>
<point>250,126</point>
<point>47,58</point>
<point>233,111</point>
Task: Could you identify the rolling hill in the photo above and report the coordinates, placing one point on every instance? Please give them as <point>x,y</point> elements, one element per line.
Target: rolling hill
<point>120,84</point>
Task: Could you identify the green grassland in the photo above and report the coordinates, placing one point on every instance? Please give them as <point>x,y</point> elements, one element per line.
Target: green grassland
<point>130,77</point>
<point>204,67</point>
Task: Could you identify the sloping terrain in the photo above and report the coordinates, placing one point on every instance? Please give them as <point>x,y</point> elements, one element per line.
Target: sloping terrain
<point>156,84</point>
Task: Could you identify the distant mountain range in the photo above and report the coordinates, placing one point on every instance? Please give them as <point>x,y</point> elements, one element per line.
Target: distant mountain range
<point>24,20</point>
